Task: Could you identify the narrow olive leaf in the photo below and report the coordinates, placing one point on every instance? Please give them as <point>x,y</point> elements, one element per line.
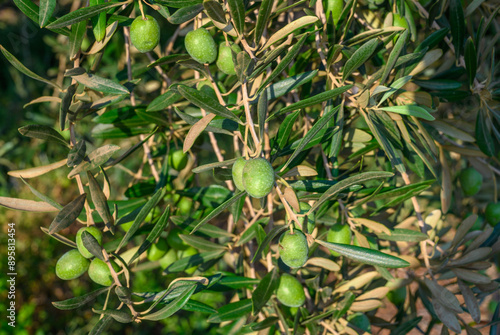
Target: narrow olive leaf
<point>43,99</point>
<point>27,205</point>
<point>316,99</point>
<point>266,323</point>
<point>462,230</point>
<point>192,261</point>
<point>457,25</point>
<point>285,86</point>
<point>185,14</point>
<point>201,243</point>
<point>269,237</point>
<point>41,196</point>
<point>100,84</point>
<point>96,158</point>
<point>478,241</point>
<point>82,14</point>
<point>365,255</point>
<point>99,200</point>
<point>92,245</point>
<point>429,58</point>
<point>472,7</point>
<point>45,12</point>
<point>99,45</point>
<point>33,12</point>
<point>76,38</point>
<point>324,263</point>
<point>479,254</point>
<point>285,129</point>
<point>76,302</point>
<point>262,113</point>
<point>23,69</point>
<point>232,311</point>
<point>206,102</point>
<point>211,166</point>
<point>43,133</point>
<point>412,110</point>
<point>289,57</point>
<point>196,306</point>
<point>302,171</point>
<point>36,171</point>
<point>446,185</point>
<point>452,131</point>
<point>214,128</point>
<point>348,182</point>
<point>153,235</point>
<point>444,296</point>
<point>359,57</point>
<point>483,134</point>
<point>394,55</point>
<point>68,214</point>
<point>470,301</point>
<point>196,130</point>
<point>60,238</point>
<point>373,225</point>
<point>218,210</point>
<point>118,315</point>
<point>264,291</point>
<point>215,11</point>
<point>471,276</point>
<point>139,219</point>
<point>446,316</point>
<point>470,60</point>
<point>243,65</point>
<point>319,125</point>
<point>265,10</point>
<point>237,10</point>
<point>169,59</point>
<point>403,235</point>
<point>288,29</point>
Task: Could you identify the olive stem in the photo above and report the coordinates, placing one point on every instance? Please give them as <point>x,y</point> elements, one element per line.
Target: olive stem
<point>248,114</point>
<point>141,8</point>
<point>288,210</point>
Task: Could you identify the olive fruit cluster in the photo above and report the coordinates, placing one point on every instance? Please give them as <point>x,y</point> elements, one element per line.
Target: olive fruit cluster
<point>145,33</point>
<point>255,176</point>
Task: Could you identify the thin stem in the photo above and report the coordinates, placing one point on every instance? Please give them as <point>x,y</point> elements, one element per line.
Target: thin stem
<point>248,114</point>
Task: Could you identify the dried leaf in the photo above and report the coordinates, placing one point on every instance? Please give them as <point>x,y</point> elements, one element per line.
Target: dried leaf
<point>36,171</point>
<point>26,205</point>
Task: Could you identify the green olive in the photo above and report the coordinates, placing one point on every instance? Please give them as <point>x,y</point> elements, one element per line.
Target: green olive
<point>471,181</point>
<point>290,291</point>
<point>258,177</point>
<point>157,250</point>
<point>339,233</point>
<point>200,46</point>
<point>492,213</point>
<point>293,248</point>
<point>71,265</point>
<point>177,159</point>
<point>397,296</point>
<point>175,241</point>
<point>99,272</point>
<point>237,172</point>
<point>190,251</point>
<point>225,59</point>
<point>184,206</point>
<point>334,9</point>
<point>79,243</point>
<point>168,259</point>
<point>145,33</point>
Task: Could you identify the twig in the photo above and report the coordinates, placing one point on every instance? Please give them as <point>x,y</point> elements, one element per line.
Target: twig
<point>248,114</point>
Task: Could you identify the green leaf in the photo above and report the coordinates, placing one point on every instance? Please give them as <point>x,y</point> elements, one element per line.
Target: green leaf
<point>237,10</point>
<point>224,127</point>
<point>232,311</point>
<point>196,306</point>
<point>412,110</point>
<point>206,102</point>
<point>470,60</point>
<point>319,125</point>
<point>483,134</point>
<point>100,84</point>
<point>43,133</point>
<point>100,201</point>
<point>181,3</point>
<point>192,261</point>
<point>96,158</point>
<point>346,183</point>
<point>23,69</point>
<point>288,29</point>
<point>265,11</point>
<point>269,237</point>
<point>163,101</point>
<point>77,302</point>
<point>185,14</point>
<point>472,7</point>
<point>359,57</point>
<point>82,14</point>
<point>173,306</point>
<point>76,38</point>
<point>68,214</point>
<point>33,12</point>
<point>316,99</point>
<point>42,196</point>
<point>264,291</point>
<point>286,128</point>
<point>211,166</point>
<point>285,86</point>
<point>439,84</point>
<point>365,255</point>
<point>46,9</point>
<point>201,243</point>
<point>262,112</point>
<point>219,210</point>
<point>121,316</point>
<point>403,235</point>
<point>394,55</point>
<point>139,219</point>
<point>92,245</point>
<point>457,24</point>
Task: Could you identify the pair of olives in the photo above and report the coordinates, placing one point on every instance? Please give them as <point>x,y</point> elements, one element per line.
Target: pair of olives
<point>76,262</point>
<point>255,176</point>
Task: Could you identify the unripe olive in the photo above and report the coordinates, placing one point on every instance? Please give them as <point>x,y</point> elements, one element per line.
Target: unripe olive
<point>145,34</point>
<point>169,258</point>
<point>200,46</point>
<point>157,250</point>
<point>237,172</point>
<point>334,9</point>
<point>99,272</point>
<point>184,206</point>
<point>79,243</point>
<point>71,265</point>
<point>399,21</point>
<point>293,248</point>
<point>397,296</point>
<point>471,181</point>
<point>177,159</point>
<point>492,213</point>
<point>290,291</point>
<point>190,251</point>
<point>361,321</point>
<point>225,59</point>
<point>339,233</point>
<point>175,241</point>
<point>258,177</point>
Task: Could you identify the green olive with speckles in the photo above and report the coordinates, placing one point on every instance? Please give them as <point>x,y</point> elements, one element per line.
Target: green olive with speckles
<point>200,46</point>
<point>293,248</point>
<point>225,59</point>
<point>339,233</point>
<point>145,34</point>
<point>290,291</point>
<point>99,272</point>
<point>258,177</point>
<point>237,172</point>
<point>71,265</point>
<point>79,243</point>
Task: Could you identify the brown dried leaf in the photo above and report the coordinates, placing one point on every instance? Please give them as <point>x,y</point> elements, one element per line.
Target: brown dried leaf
<point>358,282</point>
<point>302,171</point>
<point>377,293</point>
<point>324,263</point>
<point>26,205</point>
<point>373,225</point>
<point>365,306</point>
<point>292,199</point>
<point>196,130</point>
<point>362,240</point>
<point>36,171</point>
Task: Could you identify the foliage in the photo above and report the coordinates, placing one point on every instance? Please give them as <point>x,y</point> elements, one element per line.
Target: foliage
<point>367,111</point>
